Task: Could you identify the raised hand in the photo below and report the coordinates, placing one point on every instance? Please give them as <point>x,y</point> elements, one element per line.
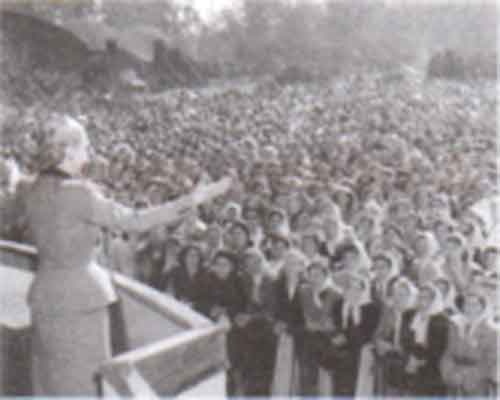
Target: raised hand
<point>204,193</point>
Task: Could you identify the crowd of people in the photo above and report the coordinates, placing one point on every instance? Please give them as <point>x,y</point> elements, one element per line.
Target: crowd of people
<point>349,231</point>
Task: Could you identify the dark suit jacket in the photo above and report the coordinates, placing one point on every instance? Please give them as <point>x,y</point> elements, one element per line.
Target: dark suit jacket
<point>428,380</point>
<point>188,288</point>
<point>223,293</point>
<point>357,335</point>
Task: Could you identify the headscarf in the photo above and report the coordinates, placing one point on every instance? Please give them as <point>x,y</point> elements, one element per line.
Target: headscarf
<point>449,301</point>
<point>284,228</point>
<point>295,263</point>
<point>335,218</point>
<point>364,258</point>
<point>402,280</point>
<point>258,276</point>
<point>420,323</point>
<point>232,205</point>
<point>433,246</point>
<point>476,238</point>
<point>352,206</point>
<point>373,213</point>
<point>276,265</point>
<point>317,291</point>
<point>429,264</point>
<point>220,243</point>
<point>351,307</point>
<point>462,322</point>
<point>393,272</point>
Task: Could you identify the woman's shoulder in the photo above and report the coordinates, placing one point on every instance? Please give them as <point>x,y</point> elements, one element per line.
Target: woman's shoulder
<point>372,310</point>
<point>409,314</point>
<point>440,320</point>
<point>61,192</point>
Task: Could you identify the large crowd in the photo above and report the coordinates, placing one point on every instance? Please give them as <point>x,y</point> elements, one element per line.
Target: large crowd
<point>349,226</point>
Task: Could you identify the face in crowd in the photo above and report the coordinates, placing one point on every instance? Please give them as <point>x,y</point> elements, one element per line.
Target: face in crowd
<point>425,300</point>
<point>474,306</point>
<point>381,268</point>
<point>222,266</point>
<point>401,295</point>
<point>192,258</point>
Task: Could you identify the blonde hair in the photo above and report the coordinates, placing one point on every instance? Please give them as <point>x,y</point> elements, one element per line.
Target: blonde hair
<point>61,132</point>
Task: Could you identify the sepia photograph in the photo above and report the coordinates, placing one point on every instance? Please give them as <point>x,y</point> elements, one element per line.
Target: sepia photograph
<point>249,198</point>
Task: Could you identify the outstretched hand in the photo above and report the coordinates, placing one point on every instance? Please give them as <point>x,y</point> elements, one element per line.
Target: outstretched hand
<point>204,193</point>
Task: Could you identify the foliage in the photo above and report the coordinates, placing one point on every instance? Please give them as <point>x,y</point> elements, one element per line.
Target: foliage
<point>341,35</point>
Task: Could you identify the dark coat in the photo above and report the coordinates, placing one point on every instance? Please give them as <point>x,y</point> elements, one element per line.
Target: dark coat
<point>428,380</point>
<point>288,310</point>
<point>313,337</point>
<point>347,359</point>
<point>188,288</point>
<point>225,294</point>
<point>256,341</point>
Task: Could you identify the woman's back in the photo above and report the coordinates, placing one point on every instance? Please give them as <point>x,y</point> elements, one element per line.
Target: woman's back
<point>68,278</point>
<point>57,208</point>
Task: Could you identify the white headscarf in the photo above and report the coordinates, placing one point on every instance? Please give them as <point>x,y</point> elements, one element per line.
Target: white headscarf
<point>258,277</point>
<point>342,229</point>
<point>352,307</point>
<point>433,246</point>
<point>364,258</point>
<point>420,323</point>
<point>461,321</point>
<point>284,228</point>
<point>394,268</point>
<point>234,205</point>
<point>476,239</point>
<point>294,265</point>
<point>449,299</point>
<point>402,280</point>
<point>429,264</point>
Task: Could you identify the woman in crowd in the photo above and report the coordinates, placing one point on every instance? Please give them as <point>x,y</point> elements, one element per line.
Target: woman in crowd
<point>237,238</point>
<point>449,295</point>
<point>424,337</point>
<point>467,360</point>
<point>422,268</point>
<point>356,318</point>
<point>255,325</point>
<point>279,246</point>
<point>384,269</point>
<point>188,277</point>
<point>318,326</point>
<point>390,377</point>
<point>289,325</point>
<point>151,259</point>
<point>222,300</point>
<point>173,247</point>
<point>122,253</point>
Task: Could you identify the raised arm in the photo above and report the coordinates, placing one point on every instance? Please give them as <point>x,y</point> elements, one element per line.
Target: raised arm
<point>108,213</point>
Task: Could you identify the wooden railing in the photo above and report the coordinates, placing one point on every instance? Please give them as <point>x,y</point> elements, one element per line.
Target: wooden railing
<point>166,368</point>
<point>170,366</point>
<point>18,255</point>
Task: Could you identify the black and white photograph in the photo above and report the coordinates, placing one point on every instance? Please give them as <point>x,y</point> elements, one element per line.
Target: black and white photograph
<point>249,198</point>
